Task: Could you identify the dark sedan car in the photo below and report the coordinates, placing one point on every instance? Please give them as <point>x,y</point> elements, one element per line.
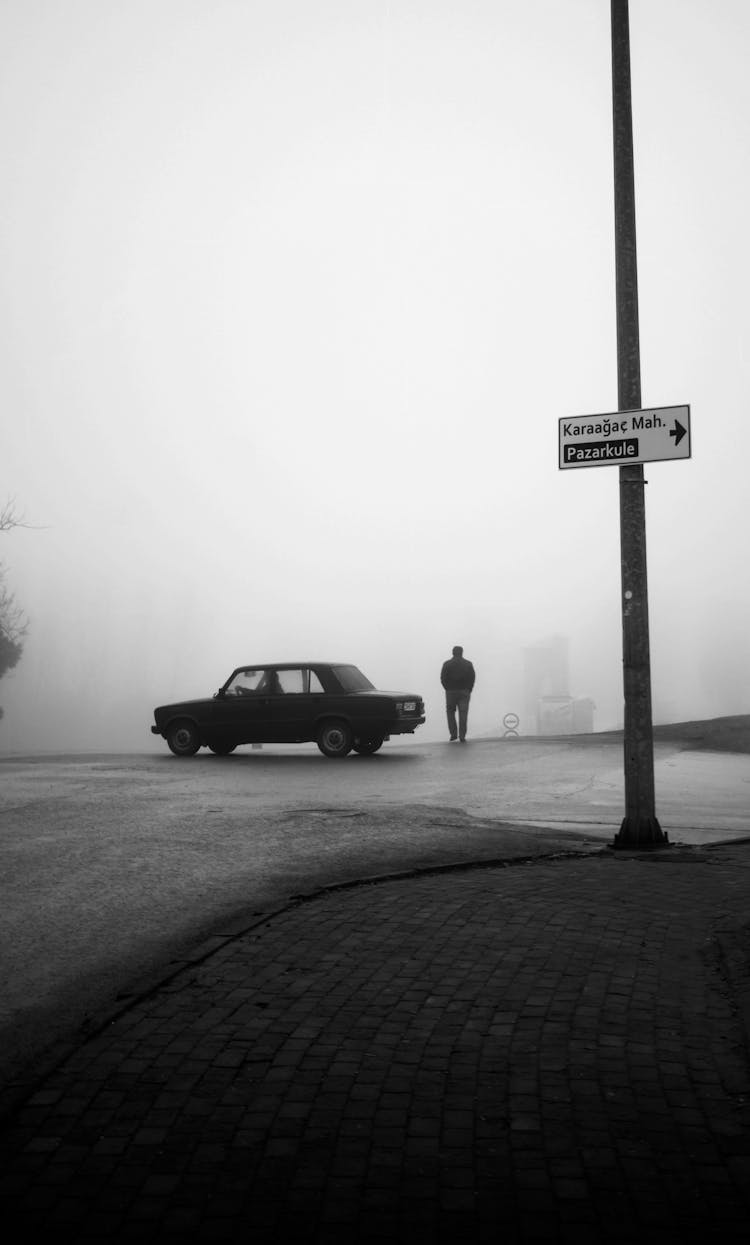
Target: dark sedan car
<point>291,703</point>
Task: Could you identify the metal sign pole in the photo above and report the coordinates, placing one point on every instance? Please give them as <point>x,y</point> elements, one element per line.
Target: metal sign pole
<point>640,827</point>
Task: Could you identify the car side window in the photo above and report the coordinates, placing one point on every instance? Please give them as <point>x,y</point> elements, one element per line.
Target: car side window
<point>245,682</point>
<point>291,681</point>
<point>299,681</point>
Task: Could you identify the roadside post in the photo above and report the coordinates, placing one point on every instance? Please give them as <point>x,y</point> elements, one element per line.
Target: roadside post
<point>628,438</point>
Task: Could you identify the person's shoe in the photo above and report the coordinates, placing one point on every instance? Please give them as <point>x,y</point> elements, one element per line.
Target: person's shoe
<point>462,739</point>
<point>452,739</point>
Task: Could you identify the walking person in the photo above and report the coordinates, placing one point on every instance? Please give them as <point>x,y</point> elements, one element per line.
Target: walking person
<point>457,677</point>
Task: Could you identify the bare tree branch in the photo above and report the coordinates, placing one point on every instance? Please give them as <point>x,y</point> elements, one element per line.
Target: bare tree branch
<point>10,518</point>
<point>13,622</point>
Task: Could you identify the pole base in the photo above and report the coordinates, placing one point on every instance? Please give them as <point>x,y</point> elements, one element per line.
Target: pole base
<point>640,833</point>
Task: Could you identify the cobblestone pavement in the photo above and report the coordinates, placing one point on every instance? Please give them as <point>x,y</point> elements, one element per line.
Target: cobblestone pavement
<point>549,1051</point>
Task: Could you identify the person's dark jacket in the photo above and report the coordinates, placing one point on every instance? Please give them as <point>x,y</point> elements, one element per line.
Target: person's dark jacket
<point>457,675</point>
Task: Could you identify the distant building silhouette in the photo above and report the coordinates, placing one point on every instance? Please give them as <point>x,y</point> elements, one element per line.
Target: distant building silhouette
<point>549,708</point>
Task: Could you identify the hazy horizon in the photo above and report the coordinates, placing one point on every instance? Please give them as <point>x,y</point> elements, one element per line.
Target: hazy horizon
<point>293,298</point>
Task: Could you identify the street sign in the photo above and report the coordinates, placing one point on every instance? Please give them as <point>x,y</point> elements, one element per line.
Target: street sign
<point>625,437</point>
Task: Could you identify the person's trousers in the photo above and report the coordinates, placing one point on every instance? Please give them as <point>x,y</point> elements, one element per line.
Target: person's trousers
<point>457,701</point>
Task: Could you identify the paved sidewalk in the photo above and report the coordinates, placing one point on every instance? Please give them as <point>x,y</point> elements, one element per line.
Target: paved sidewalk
<point>548,1051</point>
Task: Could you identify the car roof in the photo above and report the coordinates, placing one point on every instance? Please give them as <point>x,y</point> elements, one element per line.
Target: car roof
<point>291,665</point>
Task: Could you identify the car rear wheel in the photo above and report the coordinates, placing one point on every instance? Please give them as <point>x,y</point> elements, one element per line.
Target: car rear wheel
<point>183,739</point>
<point>334,738</point>
<point>366,747</point>
<point>222,750</point>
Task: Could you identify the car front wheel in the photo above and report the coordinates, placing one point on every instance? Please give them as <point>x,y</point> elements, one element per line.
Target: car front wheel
<point>335,739</point>
<point>183,739</point>
<point>222,750</point>
<point>366,747</point>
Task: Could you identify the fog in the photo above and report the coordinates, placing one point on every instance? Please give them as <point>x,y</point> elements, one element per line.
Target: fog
<point>293,296</point>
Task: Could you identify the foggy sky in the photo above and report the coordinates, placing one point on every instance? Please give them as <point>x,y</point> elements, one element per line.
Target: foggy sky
<point>293,296</point>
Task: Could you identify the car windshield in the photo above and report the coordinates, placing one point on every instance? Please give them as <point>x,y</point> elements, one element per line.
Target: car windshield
<point>352,679</point>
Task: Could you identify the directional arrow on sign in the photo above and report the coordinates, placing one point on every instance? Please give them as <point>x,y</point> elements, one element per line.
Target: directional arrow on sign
<point>678,432</point>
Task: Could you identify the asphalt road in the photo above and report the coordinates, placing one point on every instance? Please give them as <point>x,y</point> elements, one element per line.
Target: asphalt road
<point>115,866</point>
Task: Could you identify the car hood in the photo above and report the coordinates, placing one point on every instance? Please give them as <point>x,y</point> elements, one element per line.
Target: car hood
<point>177,705</point>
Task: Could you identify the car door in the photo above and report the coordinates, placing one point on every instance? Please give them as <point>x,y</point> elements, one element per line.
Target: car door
<point>296,704</point>
<point>242,712</point>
